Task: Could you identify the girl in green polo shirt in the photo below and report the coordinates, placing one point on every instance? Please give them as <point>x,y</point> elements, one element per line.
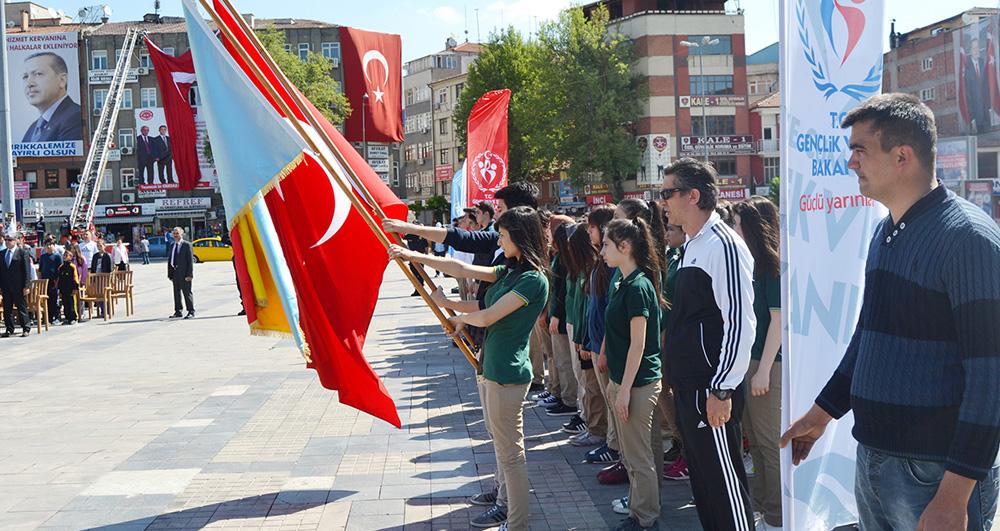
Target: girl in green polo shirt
<point>632,347</point>
<point>513,303</point>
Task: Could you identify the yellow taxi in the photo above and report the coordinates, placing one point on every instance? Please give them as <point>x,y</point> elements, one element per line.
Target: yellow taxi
<point>211,250</point>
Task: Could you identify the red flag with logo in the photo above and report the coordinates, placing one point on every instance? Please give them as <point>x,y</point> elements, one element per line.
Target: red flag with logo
<point>175,76</point>
<point>486,161</point>
<point>373,65</point>
<point>335,260</point>
<point>991,69</point>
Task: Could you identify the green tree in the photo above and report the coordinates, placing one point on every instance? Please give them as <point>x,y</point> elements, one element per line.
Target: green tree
<point>314,76</point>
<point>774,193</point>
<point>439,205</point>
<point>584,72</point>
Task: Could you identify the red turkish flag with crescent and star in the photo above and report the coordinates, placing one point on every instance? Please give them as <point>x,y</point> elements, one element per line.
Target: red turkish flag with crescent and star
<point>175,75</point>
<point>335,259</point>
<point>486,162</point>
<point>373,65</point>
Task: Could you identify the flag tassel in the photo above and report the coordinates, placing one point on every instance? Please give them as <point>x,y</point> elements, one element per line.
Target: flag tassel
<point>328,166</point>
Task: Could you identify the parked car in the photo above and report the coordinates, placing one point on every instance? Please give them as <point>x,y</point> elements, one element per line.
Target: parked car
<point>211,250</point>
<point>158,246</point>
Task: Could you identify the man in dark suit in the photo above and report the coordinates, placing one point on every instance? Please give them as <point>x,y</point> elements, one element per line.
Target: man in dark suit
<point>164,157</point>
<point>46,77</point>
<point>145,154</point>
<point>15,280</point>
<point>977,90</point>
<point>100,263</point>
<point>180,271</point>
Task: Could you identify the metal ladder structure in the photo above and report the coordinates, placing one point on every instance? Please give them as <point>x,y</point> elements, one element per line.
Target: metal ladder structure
<point>82,214</point>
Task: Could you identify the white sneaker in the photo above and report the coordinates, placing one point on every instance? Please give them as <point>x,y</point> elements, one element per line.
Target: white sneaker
<point>764,526</point>
<point>748,464</point>
<point>620,505</point>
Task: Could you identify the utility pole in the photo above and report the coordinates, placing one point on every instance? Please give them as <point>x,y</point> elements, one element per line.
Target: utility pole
<point>6,165</point>
<point>364,137</point>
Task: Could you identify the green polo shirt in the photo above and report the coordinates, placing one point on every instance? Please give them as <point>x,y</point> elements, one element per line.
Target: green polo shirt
<point>766,297</point>
<point>634,296</point>
<point>673,260</point>
<point>505,351</point>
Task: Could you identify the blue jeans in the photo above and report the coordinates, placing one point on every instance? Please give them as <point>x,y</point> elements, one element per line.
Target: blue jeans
<point>892,492</point>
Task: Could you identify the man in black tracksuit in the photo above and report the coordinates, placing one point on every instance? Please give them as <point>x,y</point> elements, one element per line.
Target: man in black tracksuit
<point>709,337</point>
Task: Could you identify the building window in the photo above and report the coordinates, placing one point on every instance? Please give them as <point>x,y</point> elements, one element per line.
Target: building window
<point>723,47</point>
<point>458,91</point>
<point>288,47</point>
<point>99,60</point>
<point>147,97</point>
<point>304,51</point>
<point>771,165</point>
<point>715,125</point>
<point>32,178</point>
<point>726,166</point>
<point>711,85</point>
<point>926,64</point>
<point>443,126</point>
<point>554,190</point>
<point>51,179</point>
<point>443,156</point>
<point>445,61</point>
<point>126,138</point>
<point>409,97</point>
<point>108,182</point>
<point>100,96</point>
<point>193,97</point>
<point>126,99</point>
<point>128,178</point>
<point>928,94</point>
<point>442,96</point>
<point>767,133</point>
<point>331,50</point>
<point>144,60</point>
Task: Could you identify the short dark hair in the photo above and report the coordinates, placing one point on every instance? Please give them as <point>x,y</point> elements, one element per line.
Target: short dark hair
<point>694,174</point>
<point>486,208</point>
<point>58,63</point>
<point>521,193</point>
<point>899,120</point>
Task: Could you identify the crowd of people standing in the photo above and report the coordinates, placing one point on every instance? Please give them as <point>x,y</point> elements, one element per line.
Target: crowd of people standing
<point>655,328</point>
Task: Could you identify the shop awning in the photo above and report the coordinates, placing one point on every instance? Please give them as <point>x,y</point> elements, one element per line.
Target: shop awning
<point>122,219</point>
<point>180,214</point>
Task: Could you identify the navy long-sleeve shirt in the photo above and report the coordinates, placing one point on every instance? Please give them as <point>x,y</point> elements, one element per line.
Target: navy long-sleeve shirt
<point>596,304</point>
<point>922,372</point>
<point>48,265</point>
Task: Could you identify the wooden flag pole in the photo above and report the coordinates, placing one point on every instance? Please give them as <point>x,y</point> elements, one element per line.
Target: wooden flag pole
<point>346,187</point>
<point>288,86</point>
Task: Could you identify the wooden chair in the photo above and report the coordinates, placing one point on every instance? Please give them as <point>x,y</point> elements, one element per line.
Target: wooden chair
<point>38,302</point>
<point>98,289</point>
<point>121,288</point>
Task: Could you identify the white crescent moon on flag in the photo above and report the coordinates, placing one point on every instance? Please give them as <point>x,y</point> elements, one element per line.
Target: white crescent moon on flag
<point>182,77</point>
<point>341,208</point>
<point>375,55</point>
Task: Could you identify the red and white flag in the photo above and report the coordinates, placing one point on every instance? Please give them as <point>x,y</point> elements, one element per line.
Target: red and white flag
<point>486,162</point>
<point>373,65</point>
<point>175,76</point>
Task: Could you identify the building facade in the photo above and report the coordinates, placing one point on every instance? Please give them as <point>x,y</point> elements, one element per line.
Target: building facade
<point>448,152</point>
<point>762,73</point>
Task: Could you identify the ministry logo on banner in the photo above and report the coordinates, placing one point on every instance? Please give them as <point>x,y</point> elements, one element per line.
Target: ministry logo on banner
<point>831,61</point>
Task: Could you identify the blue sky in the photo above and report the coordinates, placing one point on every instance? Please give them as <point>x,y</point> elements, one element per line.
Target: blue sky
<point>424,25</point>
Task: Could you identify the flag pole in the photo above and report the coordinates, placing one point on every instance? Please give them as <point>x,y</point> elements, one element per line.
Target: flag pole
<point>289,88</point>
<point>347,188</point>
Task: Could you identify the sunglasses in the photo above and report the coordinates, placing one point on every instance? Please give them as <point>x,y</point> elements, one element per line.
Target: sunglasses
<point>667,193</point>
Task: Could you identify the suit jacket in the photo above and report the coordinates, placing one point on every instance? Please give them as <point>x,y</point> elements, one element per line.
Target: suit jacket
<point>105,261</point>
<point>183,263</point>
<point>66,124</point>
<point>145,150</point>
<point>161,147</point>
<point>17,275</point>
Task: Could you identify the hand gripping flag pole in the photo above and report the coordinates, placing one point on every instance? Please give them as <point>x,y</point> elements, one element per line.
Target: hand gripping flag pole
<point>328,166</point>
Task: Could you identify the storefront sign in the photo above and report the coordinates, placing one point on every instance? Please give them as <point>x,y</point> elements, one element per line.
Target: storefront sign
<point>712,101</point>
<point>114,155</point>
<point>647,196</point>
<point>378,151</point>
<point>103,77</point>
<point>718,145</point>
<point>733,193</point>
<point>596,189</point>
<point>996,186</point>
<point>22,189</point>
<point>52,207</point>
<point>183,203</point>
<point>443,172</point>
<point>117,211</point>
<point>379,165</point>
<point>602,199</point>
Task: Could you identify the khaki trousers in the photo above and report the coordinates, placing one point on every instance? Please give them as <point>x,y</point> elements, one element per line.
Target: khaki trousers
<point>498,476</point>
<point>574,358</point>
<point>634,437</point>
<point>762,421</point>
<point>564,365</point>
<point>506,420</point>
<point>540,350</point>
<point>595,409</point>
<point>612,437</point>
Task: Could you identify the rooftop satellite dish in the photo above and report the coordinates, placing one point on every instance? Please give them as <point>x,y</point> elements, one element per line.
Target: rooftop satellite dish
<point>451,42</point>
<point>82,13</point>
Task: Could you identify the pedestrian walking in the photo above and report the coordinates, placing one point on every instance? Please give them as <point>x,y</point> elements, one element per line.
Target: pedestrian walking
<point>180,271</point>
<point>144,249</point>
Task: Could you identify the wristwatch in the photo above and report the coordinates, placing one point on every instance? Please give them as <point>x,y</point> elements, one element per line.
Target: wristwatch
<point>722,394</point>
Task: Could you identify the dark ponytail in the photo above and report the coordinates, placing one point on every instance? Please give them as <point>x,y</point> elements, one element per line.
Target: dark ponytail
<point>599,218</point>
<point>638,234</point>
<point>649,212</point>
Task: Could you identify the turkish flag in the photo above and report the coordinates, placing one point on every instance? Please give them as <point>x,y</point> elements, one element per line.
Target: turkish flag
<point>991,70</point>
<point>373,65</point>
<point>486,162</point>
<point>175,76</point>
<point>335,259</point>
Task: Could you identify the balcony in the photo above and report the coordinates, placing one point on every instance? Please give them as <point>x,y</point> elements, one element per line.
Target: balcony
<point>766,147</point>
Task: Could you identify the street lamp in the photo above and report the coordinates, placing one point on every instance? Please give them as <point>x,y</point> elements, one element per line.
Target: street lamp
<point>705,41</point>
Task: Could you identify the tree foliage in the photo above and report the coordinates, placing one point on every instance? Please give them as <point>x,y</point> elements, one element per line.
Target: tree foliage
<point>314,76</point>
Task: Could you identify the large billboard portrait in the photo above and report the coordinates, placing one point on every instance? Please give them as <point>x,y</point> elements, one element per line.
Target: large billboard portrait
<point>977,77</point>
<point>43,74</point>
<point>154,153</point>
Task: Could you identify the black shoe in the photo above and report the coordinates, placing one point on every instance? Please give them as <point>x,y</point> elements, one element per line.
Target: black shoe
<point>560,410</point>
<point>536,387</point>
<point>602,454</point>
<point>176,315</point>
<point>575,425</point>
<point>415,293</point>
<point>674,452</point>
<point>454,290</point>
<point>25,332</point>
<point>242,312</point>
<point>484,499</point>
<point>6,334</point>
<point>494,517</point>
<point>190,315</point>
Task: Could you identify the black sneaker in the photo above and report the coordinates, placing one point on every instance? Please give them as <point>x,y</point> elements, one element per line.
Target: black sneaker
<point>674,452</point>
<point>484,499</point>
<point>631,524</point>
<point>575,425</point>
<point>548,400</point>
<point>560,410</point>
<point>603,454</point>
<point>494,517</point>
<point>176,315</point>
<point>536,387</point>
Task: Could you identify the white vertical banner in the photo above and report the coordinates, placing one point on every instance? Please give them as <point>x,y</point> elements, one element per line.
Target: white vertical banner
<point>831,61</point>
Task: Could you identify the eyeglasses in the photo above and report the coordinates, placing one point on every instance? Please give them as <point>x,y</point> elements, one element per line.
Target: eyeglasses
<point>667,193</point>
